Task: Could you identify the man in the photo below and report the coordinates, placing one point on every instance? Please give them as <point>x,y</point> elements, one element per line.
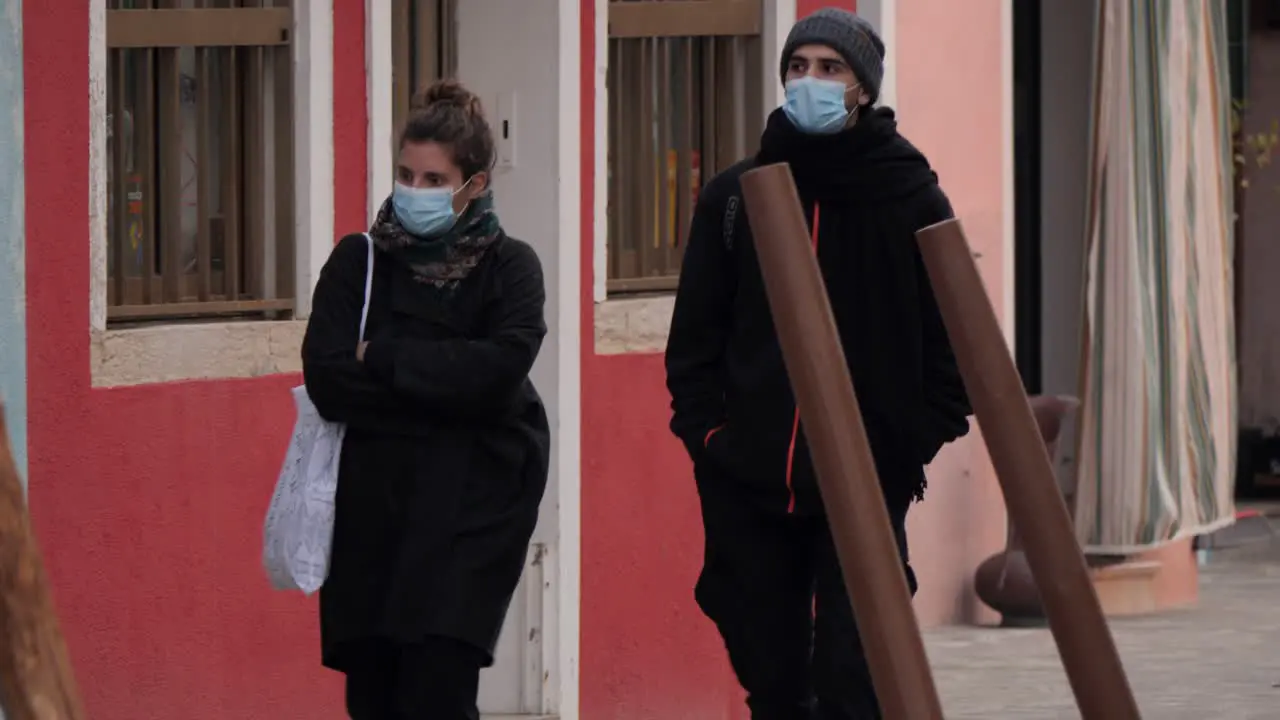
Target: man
<point>770,580</point>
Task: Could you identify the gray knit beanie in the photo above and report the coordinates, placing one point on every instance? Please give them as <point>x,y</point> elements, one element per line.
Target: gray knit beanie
<point>847,34</point>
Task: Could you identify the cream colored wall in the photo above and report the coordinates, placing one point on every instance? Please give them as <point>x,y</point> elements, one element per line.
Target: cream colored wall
<point>532,86</point>
<point>954,77</point>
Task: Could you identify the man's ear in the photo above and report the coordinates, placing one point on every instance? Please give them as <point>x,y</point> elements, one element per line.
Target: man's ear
<point>864,99</point>
<point>480,182</point>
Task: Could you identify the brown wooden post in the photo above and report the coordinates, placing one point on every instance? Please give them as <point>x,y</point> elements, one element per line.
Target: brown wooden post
<point>838,442</point>
<point>36,682</point>
<point>1022,465</point>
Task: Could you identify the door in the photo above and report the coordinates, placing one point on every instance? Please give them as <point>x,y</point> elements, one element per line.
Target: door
<point>423,47</point>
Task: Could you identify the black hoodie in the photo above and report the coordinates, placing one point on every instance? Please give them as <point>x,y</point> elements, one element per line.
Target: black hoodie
<point>866,191</point>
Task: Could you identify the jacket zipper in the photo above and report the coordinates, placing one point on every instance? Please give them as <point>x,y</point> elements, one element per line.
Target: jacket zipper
<point>795,423</point>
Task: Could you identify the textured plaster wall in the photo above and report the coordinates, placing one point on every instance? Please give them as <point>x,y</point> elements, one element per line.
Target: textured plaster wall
<point>960,115</point>
<point>13,294</point>
<point>148,500</point>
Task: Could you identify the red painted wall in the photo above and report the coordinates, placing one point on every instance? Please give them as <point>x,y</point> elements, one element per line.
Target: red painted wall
<point>647,653</point>
<point>807,7</point>
<point>350,118</point>
<point>148,501</point>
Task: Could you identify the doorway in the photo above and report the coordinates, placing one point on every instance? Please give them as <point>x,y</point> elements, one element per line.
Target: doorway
<point>1026,183</point>
<point>1254,61</point>
<point>424,48</point>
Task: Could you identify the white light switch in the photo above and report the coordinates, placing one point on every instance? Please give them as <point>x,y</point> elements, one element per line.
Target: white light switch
<point>505,129</point>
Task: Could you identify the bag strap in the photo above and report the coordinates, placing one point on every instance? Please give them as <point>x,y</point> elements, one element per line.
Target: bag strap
<point>368,286</point>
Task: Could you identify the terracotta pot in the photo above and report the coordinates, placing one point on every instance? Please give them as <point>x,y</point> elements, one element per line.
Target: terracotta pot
<point>1004,581</point>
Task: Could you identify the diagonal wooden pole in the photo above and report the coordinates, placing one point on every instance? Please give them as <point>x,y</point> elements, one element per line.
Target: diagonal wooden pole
<point>837,440</point>
<point>36,682</point>
<point>1021,462</point>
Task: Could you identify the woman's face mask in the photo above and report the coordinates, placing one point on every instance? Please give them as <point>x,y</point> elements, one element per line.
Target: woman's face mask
<point>425,212</point>
<point>817,106</point>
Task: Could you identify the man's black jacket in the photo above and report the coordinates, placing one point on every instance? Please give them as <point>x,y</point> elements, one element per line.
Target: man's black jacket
<point>865,191</point>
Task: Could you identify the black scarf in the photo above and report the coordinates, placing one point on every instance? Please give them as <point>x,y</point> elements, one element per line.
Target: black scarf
<point>869,160</point>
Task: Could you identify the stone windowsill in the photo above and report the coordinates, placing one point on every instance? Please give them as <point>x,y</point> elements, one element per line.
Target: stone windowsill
<point>633,325</point>
<point>216,351</point>
<point>204,351</point>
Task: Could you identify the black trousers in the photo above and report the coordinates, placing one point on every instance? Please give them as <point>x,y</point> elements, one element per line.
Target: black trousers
<point>773,587</point>
<point>436,679</point>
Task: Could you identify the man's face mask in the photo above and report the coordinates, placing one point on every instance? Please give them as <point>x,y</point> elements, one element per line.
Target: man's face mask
<point>817,106</point>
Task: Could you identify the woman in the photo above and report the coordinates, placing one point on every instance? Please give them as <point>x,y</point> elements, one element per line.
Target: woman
<point>446,452</point>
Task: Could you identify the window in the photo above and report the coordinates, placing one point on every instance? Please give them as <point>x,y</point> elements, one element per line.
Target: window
<point>199,160</point>
<point>685,102</point>
<point>422,47</point>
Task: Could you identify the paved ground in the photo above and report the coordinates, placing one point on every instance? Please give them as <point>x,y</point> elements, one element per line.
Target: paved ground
<point>1220,661</point>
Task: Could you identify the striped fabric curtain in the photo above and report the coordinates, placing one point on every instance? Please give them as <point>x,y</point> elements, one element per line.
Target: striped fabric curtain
<point>1158,422</point>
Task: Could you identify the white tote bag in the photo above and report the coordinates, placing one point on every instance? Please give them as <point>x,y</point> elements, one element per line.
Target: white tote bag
<point>298,532</point>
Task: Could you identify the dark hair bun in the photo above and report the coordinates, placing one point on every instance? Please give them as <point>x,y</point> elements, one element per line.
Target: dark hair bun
<point>447,92</point>
<point>450,114</point>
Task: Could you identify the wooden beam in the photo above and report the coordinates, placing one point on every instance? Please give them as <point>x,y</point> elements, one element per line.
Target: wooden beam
<point>833,425</point>
<point>220,27</point>
<point>685,18</point>
<point>1021,462</point>
<point>36,682</point>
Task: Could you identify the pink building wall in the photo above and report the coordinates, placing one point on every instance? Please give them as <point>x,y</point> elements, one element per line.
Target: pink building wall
<point>646,650</point>
<point>955,103</point>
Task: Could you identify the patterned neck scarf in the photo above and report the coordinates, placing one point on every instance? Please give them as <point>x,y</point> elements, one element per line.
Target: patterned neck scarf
<point>444,260</point>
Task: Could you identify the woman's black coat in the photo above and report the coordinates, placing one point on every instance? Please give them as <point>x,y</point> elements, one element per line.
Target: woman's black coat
<point>446,452</point>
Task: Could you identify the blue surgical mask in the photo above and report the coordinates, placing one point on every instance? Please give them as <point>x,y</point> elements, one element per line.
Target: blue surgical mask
<point>425,212</point>
<point>816,106</point>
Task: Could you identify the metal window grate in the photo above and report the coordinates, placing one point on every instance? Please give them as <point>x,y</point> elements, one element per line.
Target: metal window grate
<point>200,159</point>
<point>684,103</point>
